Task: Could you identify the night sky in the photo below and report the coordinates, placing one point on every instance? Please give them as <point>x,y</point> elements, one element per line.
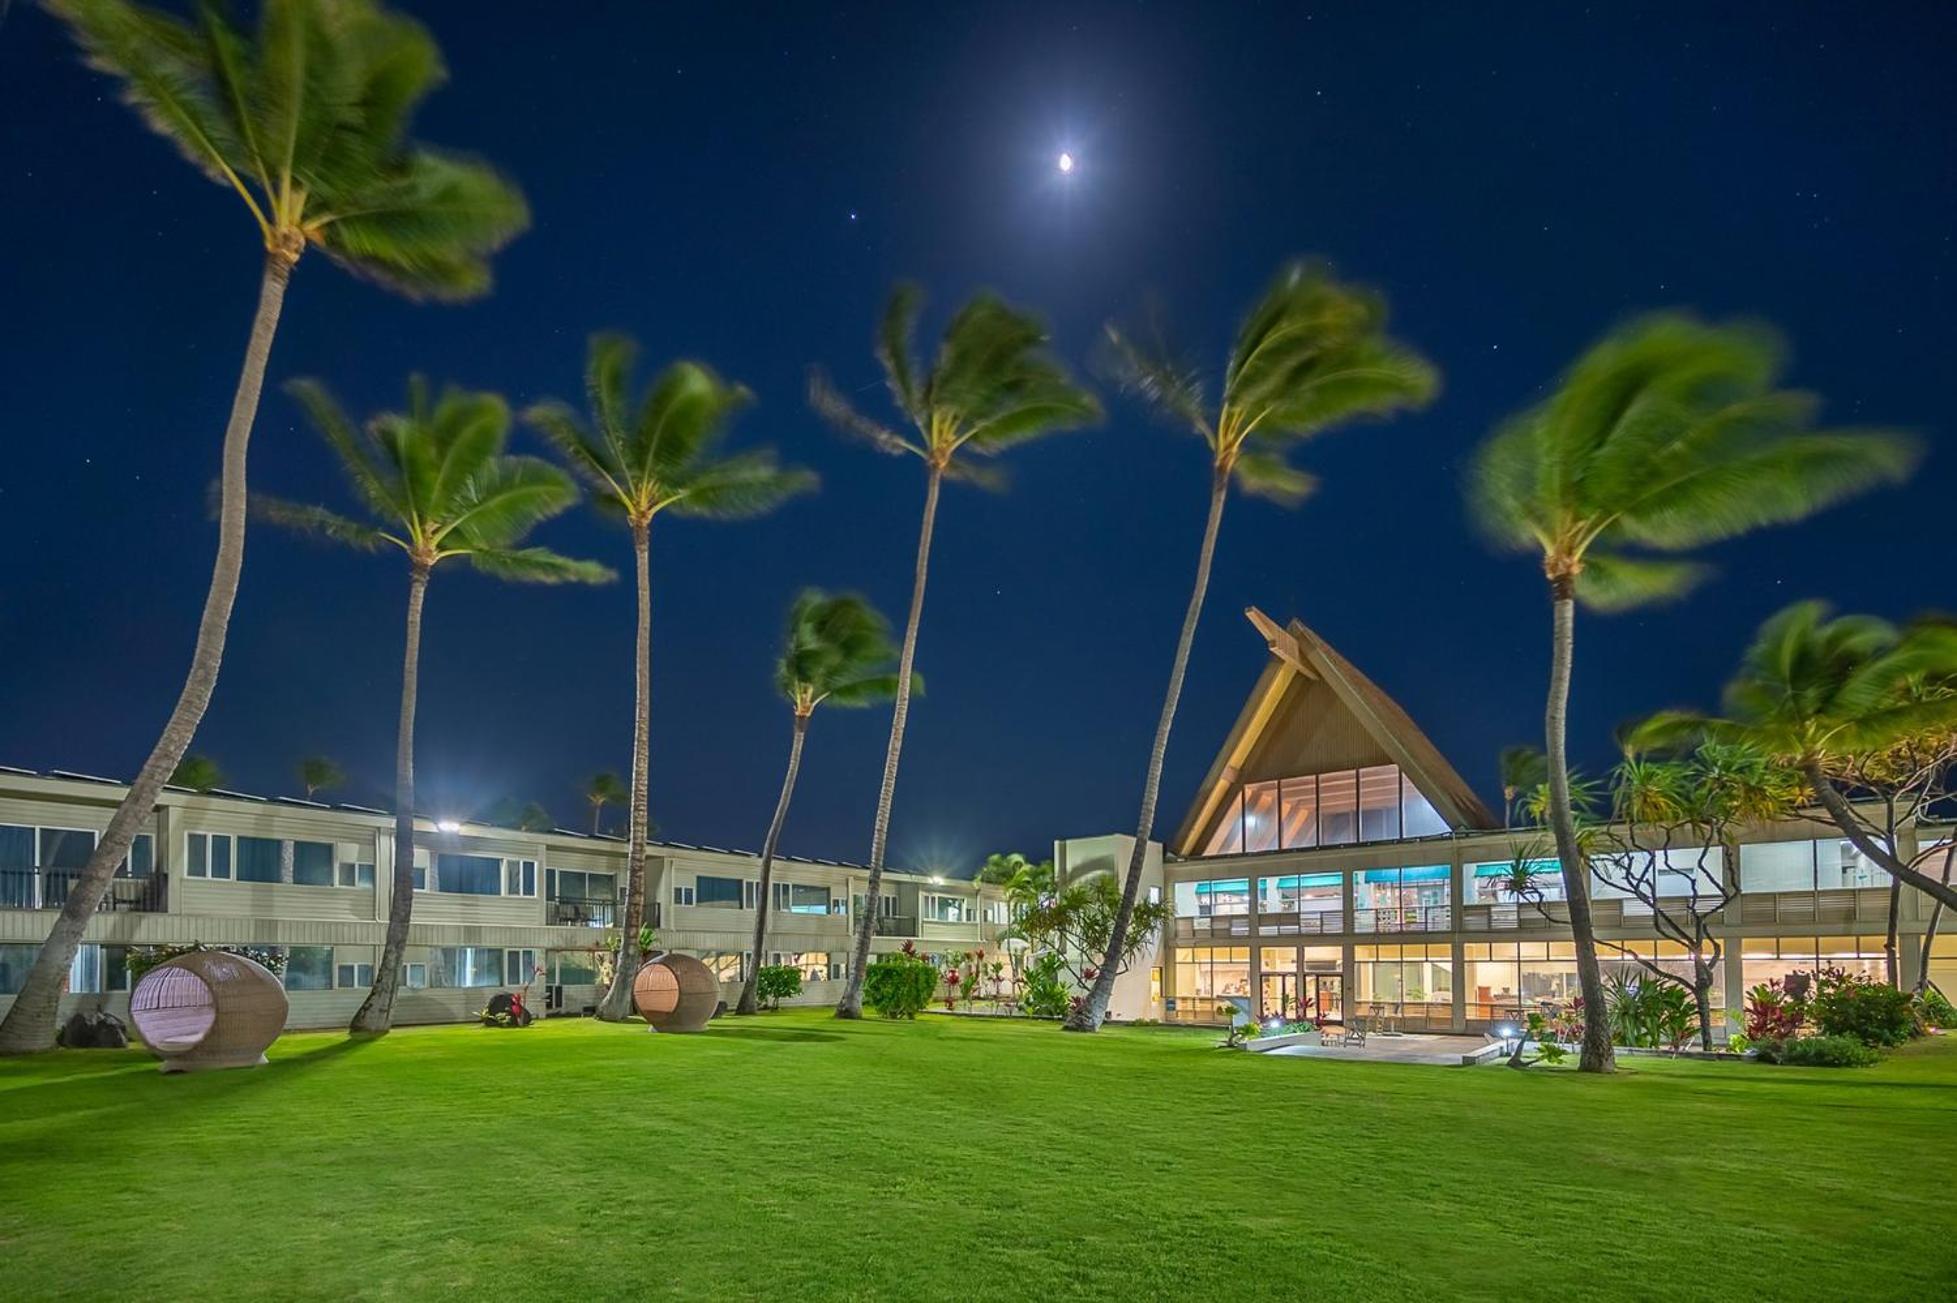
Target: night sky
<point>743,185</point>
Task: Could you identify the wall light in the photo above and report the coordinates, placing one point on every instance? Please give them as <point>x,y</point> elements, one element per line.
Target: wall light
<point>447,825</point>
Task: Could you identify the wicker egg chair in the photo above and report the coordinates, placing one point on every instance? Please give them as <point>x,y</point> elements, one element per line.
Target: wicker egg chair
<point>208,1009</point>
<point>676,993</point>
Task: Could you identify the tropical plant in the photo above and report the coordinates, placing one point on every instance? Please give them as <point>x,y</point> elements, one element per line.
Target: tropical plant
<point>640,457</point>
<point>1651,1014</point>
<point>198,773</point>
<point>837,651</point>
<point>318,773</point>
<point>1077,922</point>
<point>1863,710</point>
<point>992,387</point>
<point>1312,355</point>
<point>1665,436</point>
<point>308,124</point>
<point>1524,770</point>
<point>900,984</point>
<point>603,790</point>
<point>436,484</point>
<point>1047,993</point>
<point>1818,1052</point>
<point>1852,1004</point>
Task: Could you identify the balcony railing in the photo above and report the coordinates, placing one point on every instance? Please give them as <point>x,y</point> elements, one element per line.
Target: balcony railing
<point>1223,927</point>
<point>896,925</point>
<point>49,888</point>
<point>582,911</point>
<point>1419,918</point>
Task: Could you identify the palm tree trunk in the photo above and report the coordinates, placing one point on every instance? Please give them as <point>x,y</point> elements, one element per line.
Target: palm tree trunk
<point>1597,1055</point>
<point>750,987</point>
<point>1088,1015</point>
<point>376,1013</point>
<point>617,1003</point>
<point>30,1024</point>
<point>851,1005</point>
<point>1842,815</point>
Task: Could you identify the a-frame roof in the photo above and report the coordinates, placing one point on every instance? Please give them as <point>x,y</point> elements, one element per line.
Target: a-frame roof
<point>1301,659</point>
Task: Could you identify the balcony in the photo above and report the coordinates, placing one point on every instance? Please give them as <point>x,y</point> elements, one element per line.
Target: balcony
<point>581,911</point>
<point>896,925</point>
<point>1419,918</point>
<point>49,888</point>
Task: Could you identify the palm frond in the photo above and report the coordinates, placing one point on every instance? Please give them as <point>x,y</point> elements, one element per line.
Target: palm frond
<point>1267,475</point>
<point>894,334</point>
<point>1615,582</point>
<point>741,487</point>
<point>303,518</point>
<point>843,416</point>
<point>428,231</point>
<point>538,565</point>
<point>1159,377</point>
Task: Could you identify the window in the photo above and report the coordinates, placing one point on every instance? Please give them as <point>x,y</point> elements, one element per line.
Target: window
<point>682,893</point>
<point>947,909</point>
<point>886,905</point>
<point>1228,839</point>
<point>1511,979</point>
<point>419,873</point>
<point>96,969</point>
<point>468,875</point>
<point>1338,808</point>
<point>1213,971</point>
<point>995,911</point>
<point>258,858</point>
<point>414,976</point>
<point>1300,812</point>
<point>1314,894</point>
<point>1400,900</point>
<point>455,966</point>
<point>353,874</point>
<point>1404,981</point>
<point>15,960</point>
<point>727,965</point>
<point>723,893</point>
<point>519,966</point>
<point>519,877</point>
<point>312,864</point>
<point>1379,803</point>
<point>66,850</point>
<point>141,860</point>
<point>814,965</point>
<point>1210,899</point>
<point>1418,817</point>
<point>574,968</point>
<point>1260,810</point>
<point>801,898</point>
<point>207,855</point>
<point>309,968</point>
<point>354,976</point>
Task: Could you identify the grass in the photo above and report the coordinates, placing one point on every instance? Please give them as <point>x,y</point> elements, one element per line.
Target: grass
<point>791,1156</point>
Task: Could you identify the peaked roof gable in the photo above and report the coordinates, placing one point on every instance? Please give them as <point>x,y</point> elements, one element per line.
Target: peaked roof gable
<point>1301,659</point>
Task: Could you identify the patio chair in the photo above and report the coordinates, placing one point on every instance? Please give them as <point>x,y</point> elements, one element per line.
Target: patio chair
<point>1352,1036</point>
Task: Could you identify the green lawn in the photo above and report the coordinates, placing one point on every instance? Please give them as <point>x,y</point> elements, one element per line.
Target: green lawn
<point>794,1157</point>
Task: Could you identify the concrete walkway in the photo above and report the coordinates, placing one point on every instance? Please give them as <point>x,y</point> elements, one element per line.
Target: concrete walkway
<point>1438,1051</point>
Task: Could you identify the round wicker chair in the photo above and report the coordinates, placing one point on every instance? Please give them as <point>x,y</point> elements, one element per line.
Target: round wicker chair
<point>676,993</point>
<point>208,1009</point>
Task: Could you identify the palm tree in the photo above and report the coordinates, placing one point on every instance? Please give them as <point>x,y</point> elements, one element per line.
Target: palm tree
<point>435,482</point>
<point>1666,435</point>
<point>604,789</point>
<point>1854,704</point>
<point>660,453</point>
<point>198,773</point>
<point>308,125</point>
<point>1312,355</point>
<point>317,773</point>
<point>838,651</point>
<point>992,387</point>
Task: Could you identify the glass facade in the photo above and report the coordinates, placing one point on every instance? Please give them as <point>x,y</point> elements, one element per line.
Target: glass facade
<point>1507,979</point>
<point>1806,866</point>
<point>1339,808</point>
<point>1404,984</point>
<point>1401,900</point>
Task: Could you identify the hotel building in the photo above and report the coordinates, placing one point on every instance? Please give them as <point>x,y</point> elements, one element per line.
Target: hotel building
<point>1333,862</point>
<point>492,905</point>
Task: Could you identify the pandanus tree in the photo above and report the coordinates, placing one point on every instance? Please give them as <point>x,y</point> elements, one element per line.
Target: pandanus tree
<point>436,484</point>
<point>603,790</point>
<point>993,386</point>
<point>1667,435</point>
<point>307,121</point>
<point>1312,355</point>
<point>1865,712</point>
<point>838,653</point>
<point>642,456</point>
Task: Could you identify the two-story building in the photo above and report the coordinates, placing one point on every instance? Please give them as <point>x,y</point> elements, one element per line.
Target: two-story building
<point>493,906</point>
<point>1334,863</point>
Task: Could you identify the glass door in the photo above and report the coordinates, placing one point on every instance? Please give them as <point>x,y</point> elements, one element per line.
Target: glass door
<point>1279,996</point>
<point>1324,997</point>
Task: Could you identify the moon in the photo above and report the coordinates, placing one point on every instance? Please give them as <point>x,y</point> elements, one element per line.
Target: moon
<point>1066,162</point>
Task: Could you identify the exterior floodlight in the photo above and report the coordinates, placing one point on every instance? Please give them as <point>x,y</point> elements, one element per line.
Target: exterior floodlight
<point>447,825</point>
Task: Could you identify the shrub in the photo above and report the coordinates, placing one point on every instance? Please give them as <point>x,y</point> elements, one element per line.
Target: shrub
<point>774,983</point>
<point>1852,1004</point>
<point>1817,1052</point>
<point>1935,1010</point>
<point>900,985</point>
<point>1775,1011</point>
<point>143,958</point>
<point>1648,1013</point>
<point>1047,994</point>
